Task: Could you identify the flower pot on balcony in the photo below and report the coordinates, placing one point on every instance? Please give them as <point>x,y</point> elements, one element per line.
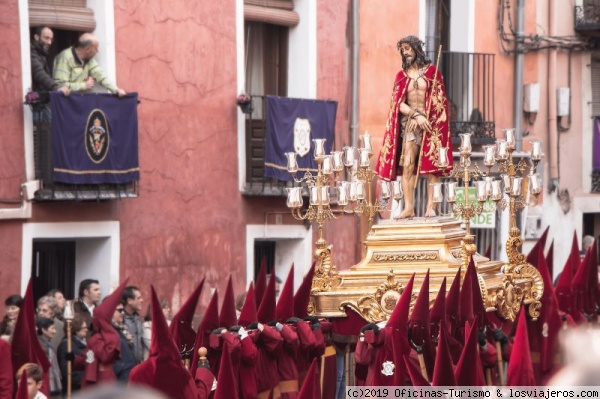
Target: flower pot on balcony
<point>247,108</point>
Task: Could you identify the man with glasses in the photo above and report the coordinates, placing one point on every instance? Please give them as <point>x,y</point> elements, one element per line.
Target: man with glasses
<point>48,307</point>
<point>126,363</point>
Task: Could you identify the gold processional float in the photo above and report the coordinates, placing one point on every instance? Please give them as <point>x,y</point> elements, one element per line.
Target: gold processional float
<point>397,249</point>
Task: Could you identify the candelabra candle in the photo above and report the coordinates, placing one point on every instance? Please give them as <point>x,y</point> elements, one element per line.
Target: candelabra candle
<point>443,157</point>
<point>353,191</point>
<point>488,185</point>
<point>292,164</point>
<point>465,143</point>
<point>437,195</point>
<point>349,156</point>
<point>507,183</point>
<point>327,165</point>
<point>535,184</point>
<point>364,155</point>
<point>314,195</point>
<point>385,190</point>
<point>366,140</point>
<point>536,150</point>
<point>502,154</point>
<point>294,198</point>
<point>324,196</point>
<point>397,190</point>
<point>451,191</point>
<point>337,160</point>
<point>343,193</point>
<point>517,183</point>
<point>481,189</point>
<point>489,155</point>
<point>509,135</point>
<point>319,148</point>
<point>360,190</point>
<point>496,190</point>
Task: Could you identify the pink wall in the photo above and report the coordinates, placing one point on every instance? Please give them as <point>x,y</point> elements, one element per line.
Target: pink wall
<point>12,165</point>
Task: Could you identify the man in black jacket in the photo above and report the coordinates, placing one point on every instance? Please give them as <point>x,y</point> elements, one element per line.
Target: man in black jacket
<point>41,76</point>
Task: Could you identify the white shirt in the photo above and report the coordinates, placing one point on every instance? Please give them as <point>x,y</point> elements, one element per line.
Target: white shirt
<point>40,395</point>
<point>90,308</point>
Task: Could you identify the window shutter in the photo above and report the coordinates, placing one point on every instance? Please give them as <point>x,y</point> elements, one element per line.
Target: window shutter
<point>595,86</point>
<point>276,12</point>
<point>62,14</point>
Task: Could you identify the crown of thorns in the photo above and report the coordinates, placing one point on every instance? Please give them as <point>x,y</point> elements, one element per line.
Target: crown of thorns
<point>412,40</point>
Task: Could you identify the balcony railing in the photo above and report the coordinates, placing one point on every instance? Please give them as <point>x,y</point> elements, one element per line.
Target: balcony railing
<point>256,182</point>
<point>469,80</point>
<point>587,19</point>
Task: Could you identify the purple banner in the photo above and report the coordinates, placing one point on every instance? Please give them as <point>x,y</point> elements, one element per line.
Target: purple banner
<point>596,143</point>
<point>94,138</point>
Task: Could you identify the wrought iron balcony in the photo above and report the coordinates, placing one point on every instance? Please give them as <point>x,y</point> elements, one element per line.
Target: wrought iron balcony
<point>54,191</point>
<point>469,81</point>
<point>256,182</point>
<point>587,19</point>
<point>596,181</point>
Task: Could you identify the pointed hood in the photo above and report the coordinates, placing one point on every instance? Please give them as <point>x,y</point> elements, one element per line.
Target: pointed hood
<point>469,370</point>
<point>25,346</point>
<point>420,337</point>
<point>266,310</point>
<point>22,388</point>
<point>307,391</point>
<point>550,261</point>
<point>261,281</point>
<point>443,373</point>
<point>520,368</point>
<point>479,310</point>
<point>574,255</point>
<point>285,305</point>
<point>438,310</point>
<point>466,299</point>
<point>399,317</point>
<point>585,283</point>
<point>544,332</point>
<point>302,297</point>
<point>209,323</point>
<point>163,370</point>
<point>248,313</point>
<point>416,377</point>
<point>563,288</point>
<point>226,381</point>
<point>228,317</point>
<point>181,325</point>
<point>453,302</point>
<point>540,243</point>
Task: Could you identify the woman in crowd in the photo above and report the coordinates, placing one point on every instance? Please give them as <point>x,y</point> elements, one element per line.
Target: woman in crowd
<point>79,331</point>
<point>45,332</point>
<point>7,325</point>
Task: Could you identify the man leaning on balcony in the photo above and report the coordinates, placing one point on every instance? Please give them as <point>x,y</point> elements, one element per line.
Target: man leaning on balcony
<point>76,67</point>
<point>41,77</point>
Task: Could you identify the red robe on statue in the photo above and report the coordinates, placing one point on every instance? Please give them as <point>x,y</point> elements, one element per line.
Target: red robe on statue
<point>388,166</point>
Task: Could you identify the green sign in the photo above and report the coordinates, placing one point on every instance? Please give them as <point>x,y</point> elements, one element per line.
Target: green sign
<point>487,218</point>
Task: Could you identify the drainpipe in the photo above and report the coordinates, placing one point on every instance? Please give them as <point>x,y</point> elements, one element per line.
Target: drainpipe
<point>552,126</point>
<point>519,62</point>
<point>355,49</point>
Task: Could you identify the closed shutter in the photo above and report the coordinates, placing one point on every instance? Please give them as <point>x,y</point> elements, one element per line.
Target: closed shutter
<point>276,12</point>
<point>595,85</point>
<point>62,14</point>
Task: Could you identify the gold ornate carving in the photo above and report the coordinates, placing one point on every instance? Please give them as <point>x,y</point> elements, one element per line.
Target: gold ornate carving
<point>532,286</point>
<point>513,244</point>
<point>381,304</point>
<point>326,276</point>
<point>508,298</point>
<point>406,256</point>
<point>310,309</point>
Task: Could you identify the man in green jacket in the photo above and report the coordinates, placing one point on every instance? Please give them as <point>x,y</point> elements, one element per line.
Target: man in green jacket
<point>76,67</point>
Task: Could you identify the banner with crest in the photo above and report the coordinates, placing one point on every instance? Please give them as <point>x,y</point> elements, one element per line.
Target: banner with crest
<point>292,124</point>
<point>94,138</point>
